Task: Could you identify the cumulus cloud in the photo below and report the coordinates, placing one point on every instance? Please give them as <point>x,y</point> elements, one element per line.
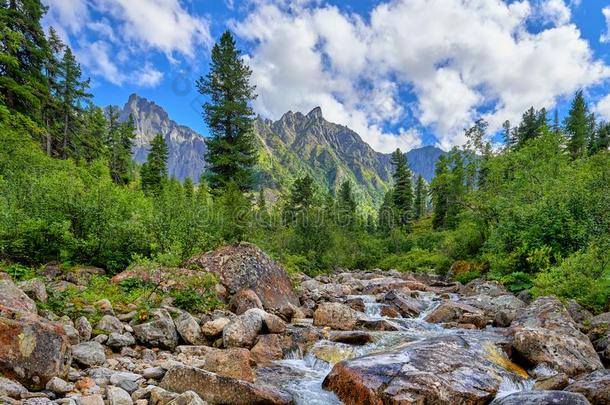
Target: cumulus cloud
<point>602,108</point>
<point>605,37</point>
<point>459,59</point>
<point>114,35</point>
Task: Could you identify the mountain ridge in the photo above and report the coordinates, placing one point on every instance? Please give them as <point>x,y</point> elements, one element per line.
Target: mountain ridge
<point>293,145</point>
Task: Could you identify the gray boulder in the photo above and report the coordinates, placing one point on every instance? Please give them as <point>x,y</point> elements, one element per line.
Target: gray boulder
<point>188,328</point>
<point>160,332</point>
<point>89,354</point>
<point>542,398</point>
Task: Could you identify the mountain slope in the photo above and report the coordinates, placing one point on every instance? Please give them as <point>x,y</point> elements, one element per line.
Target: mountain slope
<point>186,147</point>
<point>294,145</point>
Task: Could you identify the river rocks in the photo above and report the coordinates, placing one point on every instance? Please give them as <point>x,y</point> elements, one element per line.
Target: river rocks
<point>187,398</point>
<point>15,299</point>
<point>118,340</point>
<point>243,330</point>
<point>90,400</point>
<point>267,349</point>
<point>118,396</point>
<point>483,287</point>
<point>35,289</point>
<point>32,350</point>
<point>216,389</point>
<point>11,388</point>
<point>244,300</point>
<point>351,337</point>
<point>315,291</point>
<point>595,387</point>
<point>438,370</point>
<point>245,266</point>
<point>188,328</point>
<point>59,386</point>
<point>160,332</point>
<point>542,398</point>
<point>501,309</point>
<point>109,324</point>
<point>234,362</point>
<point>89,354</point>
<point>381,285</point>
<point>545,333</point>
<point>457,312</point>
<point>213,329</point>
<point>405,305</point>
<point>335,315</point>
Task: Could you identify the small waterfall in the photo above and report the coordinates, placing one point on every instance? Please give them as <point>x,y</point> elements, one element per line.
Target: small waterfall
<point>512,385</point>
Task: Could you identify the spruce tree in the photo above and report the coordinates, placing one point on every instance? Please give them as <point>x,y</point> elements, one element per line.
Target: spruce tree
<point>119,143</point>
<point>72,93</point>
<point>403,188</point>
<point>154,170</point>
<point>421,194</point>
<point>577,125</point>
<point>387,216</point>
<point>346,204</point>
<point>533,124</point>
<point>440,192</point>
<point>231,152</point>
<point>301,198</point>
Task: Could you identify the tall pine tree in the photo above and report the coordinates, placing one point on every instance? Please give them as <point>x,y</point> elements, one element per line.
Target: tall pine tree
<point>577,125</point>
<point>440,188</point>
<point>154,170</point>
<point>421,196</point>
<point>231,151</point>
<point>403,188</point>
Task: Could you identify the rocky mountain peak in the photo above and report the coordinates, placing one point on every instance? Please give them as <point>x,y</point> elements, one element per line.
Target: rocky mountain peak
<point>316,113</point>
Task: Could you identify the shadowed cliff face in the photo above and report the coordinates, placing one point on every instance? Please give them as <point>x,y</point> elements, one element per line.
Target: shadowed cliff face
<point>291,146</point>
<point>186,147</point>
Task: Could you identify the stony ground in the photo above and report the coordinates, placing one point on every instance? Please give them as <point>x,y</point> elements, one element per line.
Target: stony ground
<point>386,337</point>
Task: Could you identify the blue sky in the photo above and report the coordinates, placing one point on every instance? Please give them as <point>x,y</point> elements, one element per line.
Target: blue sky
<point>402,73</point>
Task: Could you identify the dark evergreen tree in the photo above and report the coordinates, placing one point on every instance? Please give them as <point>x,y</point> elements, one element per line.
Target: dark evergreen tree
<point>457,188</point>
<point>154,170</point>
<point>24,50</point>
<point>72,93</point>
<point>508,135</point>
<point>231,151</point>
<point>119,143</point>
<point>577,125</point>
<point>439,189</point>
<point>346,204</point>
<point>94,134</point>
<point>602,138</point>
<point>387,215</point>
<point>403,188</point>
<point>421,197</point>
<point>533,124</point>
<point>301,198</point>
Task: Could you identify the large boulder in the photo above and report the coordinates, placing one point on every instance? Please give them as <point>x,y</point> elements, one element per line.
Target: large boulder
<point>89,354</point>
<point>595,387</point>
<point>501,309</point>
<point>245,266</point>
<point>244,300</point>
<point>188,328</point>
<point>32,350</point>
<point>544,332</point>
<point>404,304</point>
<point>335,315</point>
<point>485,287</point>
<point>243,330</point>
<point>159,332</point>
<point>541,398</point>
<point>35,289</point>
<point>437,370</point>
<point>217,390</point>
<point>458,313</point>
<point>15,299</point>
<point>233,362</point>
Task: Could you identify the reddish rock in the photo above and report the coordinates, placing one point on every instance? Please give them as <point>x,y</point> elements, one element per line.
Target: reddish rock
<point>595,387</point>
<point>544,332</point>
<point>335,315</point>
<point>245,266</point>
<point>12,297</point>
<point>267,349</point>
<point>458,313</point>
<point>32,350</point>
<point>244,300</point>
<point>217,390</point>
<point>232,362</point>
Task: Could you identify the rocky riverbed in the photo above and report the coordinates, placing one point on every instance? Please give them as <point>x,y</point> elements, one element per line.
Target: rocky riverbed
<point>362,337</point>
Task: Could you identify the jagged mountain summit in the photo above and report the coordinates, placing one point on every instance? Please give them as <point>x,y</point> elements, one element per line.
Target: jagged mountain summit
<point>186,147</point>
<point>294,145</point>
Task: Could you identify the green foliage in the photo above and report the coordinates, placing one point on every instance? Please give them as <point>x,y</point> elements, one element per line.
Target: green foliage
<point>583,276</point>
<point>154,170</point>
<point>467,276</point>
<point>417,260</point>
<point>231,153</point>
<point>19,272</point>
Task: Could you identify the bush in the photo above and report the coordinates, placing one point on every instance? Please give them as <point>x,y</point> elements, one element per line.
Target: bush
<point>417,260</point>
<point>467,276</point>
<point>584,276</point>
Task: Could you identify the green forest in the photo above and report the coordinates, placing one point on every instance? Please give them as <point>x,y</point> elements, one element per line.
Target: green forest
<point>532,213</point>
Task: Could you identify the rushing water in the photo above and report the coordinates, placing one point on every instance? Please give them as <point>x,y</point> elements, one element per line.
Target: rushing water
<point>302,374</point>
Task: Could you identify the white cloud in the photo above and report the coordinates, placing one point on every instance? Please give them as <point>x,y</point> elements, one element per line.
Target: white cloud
<point>459,58</point>
<point>115,35</point>
<point>602,108</point>
<point>605,37</point>
<point>162,25</point>
<point>555,12</point>
<point>147,76</point>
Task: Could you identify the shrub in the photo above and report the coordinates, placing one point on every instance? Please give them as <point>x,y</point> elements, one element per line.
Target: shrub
<point>417,260</point>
